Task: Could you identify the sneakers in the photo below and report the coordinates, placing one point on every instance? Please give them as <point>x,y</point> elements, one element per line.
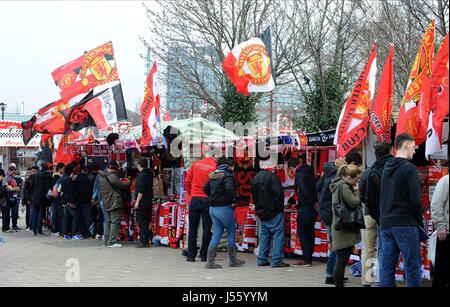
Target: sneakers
<point>329,281</point>
<point>115,245</point>
<point>142,245</point>
<point>98,237</point>
<point>281,265</point>
<point>16,228</point>
<point>303,263</point>
<point>29,229</point>
<point>189,259</point>
<point>77,238</point>
<point>55,234</point>
<point>264,264</point>
<point>8,231</point>
<point>67,237</point>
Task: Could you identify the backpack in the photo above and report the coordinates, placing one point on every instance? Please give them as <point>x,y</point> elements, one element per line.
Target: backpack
<point>372,192</point>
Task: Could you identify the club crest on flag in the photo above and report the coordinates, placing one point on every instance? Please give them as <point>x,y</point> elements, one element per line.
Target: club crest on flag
<point>97,62</point>
<point>67,80</point>
<point>254,64</point>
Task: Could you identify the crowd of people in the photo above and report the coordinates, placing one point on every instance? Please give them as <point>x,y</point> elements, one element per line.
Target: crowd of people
<point>88,203</point>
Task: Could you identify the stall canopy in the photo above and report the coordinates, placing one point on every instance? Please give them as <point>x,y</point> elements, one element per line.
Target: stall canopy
<point>11,135</point>
<point>195,130</point>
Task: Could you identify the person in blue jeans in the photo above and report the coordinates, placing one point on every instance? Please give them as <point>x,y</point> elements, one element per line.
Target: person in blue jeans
<point>401,219</point>
<point>268,197</point>
<point>222,192</point>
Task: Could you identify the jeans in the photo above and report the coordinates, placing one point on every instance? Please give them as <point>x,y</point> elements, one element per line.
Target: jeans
<point>199,207</point>
<point>101,219</point>
<point>306,231</point>
<point>267,230</point>
<point>57,217</point>
<point>37,219</point>
<point>68,214</point>
<point>405,240</point>
<point>342,257</point>
<point>144,218</point>
<point>112,226</point>
<point>6,216</point>
<point>86,220</point>
<point>223,218</point>
<point>28,215</point>
<point>14,205</point>
<point>329,271</point>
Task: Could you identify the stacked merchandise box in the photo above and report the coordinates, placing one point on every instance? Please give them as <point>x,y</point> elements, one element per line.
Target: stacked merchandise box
<point>246,232</point>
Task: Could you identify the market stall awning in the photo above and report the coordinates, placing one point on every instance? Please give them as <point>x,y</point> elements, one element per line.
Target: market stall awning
<point>11,135</point>
<point>195,130</point>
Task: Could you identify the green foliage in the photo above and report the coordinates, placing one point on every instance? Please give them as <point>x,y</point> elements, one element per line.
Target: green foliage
<point>237,107</point>
<point>318,114</point>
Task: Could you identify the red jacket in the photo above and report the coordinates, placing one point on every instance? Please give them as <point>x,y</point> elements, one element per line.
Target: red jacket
<point>198,176</point>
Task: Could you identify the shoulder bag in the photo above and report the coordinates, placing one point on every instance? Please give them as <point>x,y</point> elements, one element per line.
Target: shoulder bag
<point>347,218</point>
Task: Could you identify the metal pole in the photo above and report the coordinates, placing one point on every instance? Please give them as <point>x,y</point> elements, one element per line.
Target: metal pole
<point>271,106</point>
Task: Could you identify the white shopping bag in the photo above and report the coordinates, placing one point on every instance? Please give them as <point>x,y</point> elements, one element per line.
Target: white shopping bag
<point>432,247</point>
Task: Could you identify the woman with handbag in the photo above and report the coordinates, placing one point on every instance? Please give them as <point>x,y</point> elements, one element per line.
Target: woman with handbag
<point>344,198</point>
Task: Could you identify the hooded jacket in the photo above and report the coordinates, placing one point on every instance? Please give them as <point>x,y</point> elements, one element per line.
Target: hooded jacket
<point>400,195</point>
<point>324,193</point>
<point>83,188</point>
<point>305,182</point>
<point>68,192</point>
<point>268,195</point>
<point>221,187</point>
<point>110,196</point>
<point>344,238</point>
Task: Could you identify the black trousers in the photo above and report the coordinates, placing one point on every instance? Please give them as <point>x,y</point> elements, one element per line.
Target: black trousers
<point>342,257</point>
<point>199,207</point>
<point>306,231</point>
<point>144,218</point>
<point>441,267</point>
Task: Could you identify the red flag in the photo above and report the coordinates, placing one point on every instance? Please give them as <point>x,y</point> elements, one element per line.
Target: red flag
<point>96,67</point>
<point>439,107</point>
<point>150,108</point>
<point>248,67</point>
<point>28,130</point>
<point>64,153</point>
<point>381,113</point>
<point>421,70</point>
<point>352,126</point>
<point>49,120</point>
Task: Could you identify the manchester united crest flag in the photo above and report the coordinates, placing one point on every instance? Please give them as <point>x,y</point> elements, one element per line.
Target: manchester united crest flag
<point>249,67</point>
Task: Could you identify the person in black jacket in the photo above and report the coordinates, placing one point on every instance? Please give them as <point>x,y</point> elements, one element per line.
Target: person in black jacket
<point>401,218</point>
<point>40,185</point>
<point>57,209</point>
<point>268,198</point>
<point>222,192</point>
<point>84,190</point>
<point>369,189</point>
<point>69,202</point>
<point>324,198</point>
<point>305,183</point>
<point>26,196</point>
<point>143,204</point>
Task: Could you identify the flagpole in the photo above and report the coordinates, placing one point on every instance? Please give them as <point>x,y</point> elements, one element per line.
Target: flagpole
<point>271,106</point>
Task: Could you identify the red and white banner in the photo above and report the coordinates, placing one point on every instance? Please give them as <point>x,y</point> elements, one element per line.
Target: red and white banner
<point>353,121</point>
<point>150,108</point>
<point>11,135</point>
<point>381,113</point>
<point>439,97</point>
<point>408,118</point>
<point>50,120</point>
<point>248,67</point>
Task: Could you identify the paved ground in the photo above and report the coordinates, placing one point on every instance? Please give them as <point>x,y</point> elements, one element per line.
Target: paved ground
<point>41,261</point>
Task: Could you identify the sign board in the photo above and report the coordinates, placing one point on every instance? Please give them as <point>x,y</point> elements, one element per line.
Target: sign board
<point>97,150</point>
<point>24,153</point>
<point>11,136</point>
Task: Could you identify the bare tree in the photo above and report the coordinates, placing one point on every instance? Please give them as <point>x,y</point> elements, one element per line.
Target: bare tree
<point>194,37</point>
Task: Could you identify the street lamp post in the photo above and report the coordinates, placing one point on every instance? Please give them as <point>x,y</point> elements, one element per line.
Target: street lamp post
<point>3,108</point>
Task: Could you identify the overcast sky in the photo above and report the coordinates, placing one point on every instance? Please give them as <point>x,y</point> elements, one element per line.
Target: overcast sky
<point>36,37</point>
